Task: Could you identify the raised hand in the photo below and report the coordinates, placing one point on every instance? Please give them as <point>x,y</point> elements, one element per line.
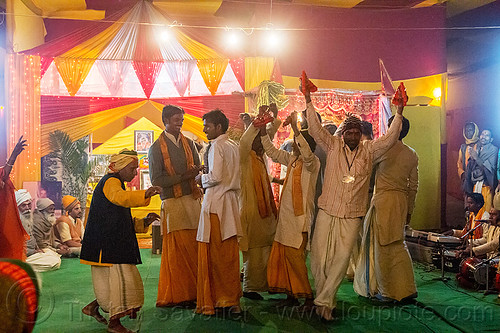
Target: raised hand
<point>274,110</point>
<point>20,146</point>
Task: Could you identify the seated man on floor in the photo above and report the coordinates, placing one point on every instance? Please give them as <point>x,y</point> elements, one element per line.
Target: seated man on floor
<point>69,227</point>
<point>474,204</point>
<point>488,244</point>
<point>43,222</point>
<point>39,260</point>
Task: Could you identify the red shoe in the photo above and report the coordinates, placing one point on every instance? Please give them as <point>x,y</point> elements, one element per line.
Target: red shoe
<point>400,93</point>
<point>310,85</point>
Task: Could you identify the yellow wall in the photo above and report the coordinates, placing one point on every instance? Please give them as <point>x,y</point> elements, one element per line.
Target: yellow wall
<point>424,137</point>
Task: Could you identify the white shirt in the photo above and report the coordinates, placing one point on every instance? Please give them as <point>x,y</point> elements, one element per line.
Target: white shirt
<point>222,184</point>
<point>290,227</point>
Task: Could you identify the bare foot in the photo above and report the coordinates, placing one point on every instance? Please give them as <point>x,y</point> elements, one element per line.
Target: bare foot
<point>324,312</point>
<point>115,326</point>
<point>92,310</point>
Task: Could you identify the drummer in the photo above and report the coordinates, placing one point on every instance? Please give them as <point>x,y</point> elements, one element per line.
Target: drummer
<point>488,244</point>
<point>474,204</point>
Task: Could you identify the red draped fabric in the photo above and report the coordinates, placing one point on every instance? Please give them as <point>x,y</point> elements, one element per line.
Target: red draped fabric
<point>276,75</point>
<point>238,66</point>
<point>58,108</point>
<point>231,105</point>
<point>45,64</point>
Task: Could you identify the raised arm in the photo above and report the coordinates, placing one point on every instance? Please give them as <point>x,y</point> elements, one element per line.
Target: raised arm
<point>382,144</point>
<point>277,155</point>
<point>20,146</point>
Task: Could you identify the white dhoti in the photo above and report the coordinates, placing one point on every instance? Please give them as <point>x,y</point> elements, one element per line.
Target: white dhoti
<point>47,260</point>
<point>383,271</point>
<point>331,250</point>
<point>118,289</point>
<point>255,269</point>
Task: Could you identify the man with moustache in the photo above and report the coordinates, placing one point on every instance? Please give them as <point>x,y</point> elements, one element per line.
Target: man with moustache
<point>39,260</point>
<point>43,227</point>
<point>69,227</point>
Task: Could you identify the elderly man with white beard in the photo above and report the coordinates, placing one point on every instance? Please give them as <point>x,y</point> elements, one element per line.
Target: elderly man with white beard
<point>43,228</point>
<point>39,260</point>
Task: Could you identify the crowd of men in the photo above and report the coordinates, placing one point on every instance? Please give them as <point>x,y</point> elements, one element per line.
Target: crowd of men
<point>213,210</point>
<point>478,167</point>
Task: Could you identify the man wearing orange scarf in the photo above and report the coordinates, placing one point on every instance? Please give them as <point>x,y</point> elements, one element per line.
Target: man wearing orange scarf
<point>258,213</point>
<point>173,165</point>
<point>12,233</point>
<point>68,229</point>
<point>287,271</point>
<point>474,205</point>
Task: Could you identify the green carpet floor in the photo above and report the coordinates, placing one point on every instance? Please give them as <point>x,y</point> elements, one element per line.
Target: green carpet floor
<point>441,307</point>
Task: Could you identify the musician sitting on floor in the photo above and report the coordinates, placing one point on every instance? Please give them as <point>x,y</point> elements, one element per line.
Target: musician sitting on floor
<point>488,244</point>
<point>474,204</point>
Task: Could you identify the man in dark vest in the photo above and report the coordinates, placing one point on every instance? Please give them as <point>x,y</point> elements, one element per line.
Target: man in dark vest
<point>110,246</point>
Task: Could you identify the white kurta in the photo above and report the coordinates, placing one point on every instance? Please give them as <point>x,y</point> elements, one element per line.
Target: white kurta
<point>222,184</point>
<point>385,267</point>
<point>290,227</point>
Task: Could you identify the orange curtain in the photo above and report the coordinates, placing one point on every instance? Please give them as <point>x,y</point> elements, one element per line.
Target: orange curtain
<point>73,72</point>
<point>212,71</point>
<point>24,111</point>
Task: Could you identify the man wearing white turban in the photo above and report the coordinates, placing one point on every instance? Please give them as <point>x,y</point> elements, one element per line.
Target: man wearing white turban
<point>43,230</point>
<point>40,260</point>
<point>109,244</point>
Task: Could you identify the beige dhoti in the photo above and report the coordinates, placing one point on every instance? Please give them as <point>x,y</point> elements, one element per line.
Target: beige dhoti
<point>118,289</point>
<point>47,260</point>
<point>383,270</point>
<point>331,250</point>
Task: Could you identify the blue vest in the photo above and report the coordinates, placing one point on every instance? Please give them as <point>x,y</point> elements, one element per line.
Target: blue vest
<point>110,232</point>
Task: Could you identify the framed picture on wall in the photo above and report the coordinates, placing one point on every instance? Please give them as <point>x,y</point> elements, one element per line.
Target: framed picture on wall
<point>143,140</point>
<point>145,180</point>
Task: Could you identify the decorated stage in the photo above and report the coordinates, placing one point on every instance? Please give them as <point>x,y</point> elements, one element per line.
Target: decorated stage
<point>440,307</point>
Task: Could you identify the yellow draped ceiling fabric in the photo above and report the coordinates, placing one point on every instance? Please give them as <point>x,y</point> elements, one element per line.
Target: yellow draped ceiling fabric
<point>82,126</point>
<point>24,110</point>
<point>191,123</point>
<point>25,20</point>
<point>139,37</point>
<point>85,125</point>
<point>212,72</point>
<point>126,137</point>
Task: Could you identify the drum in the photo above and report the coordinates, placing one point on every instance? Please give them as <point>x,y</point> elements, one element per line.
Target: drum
<point>465,276</point>
<point>473,273</point>
<point>480,273</point>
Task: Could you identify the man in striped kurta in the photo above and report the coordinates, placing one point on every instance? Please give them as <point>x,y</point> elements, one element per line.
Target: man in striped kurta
<point>343,201</point>
<point>173,164</point>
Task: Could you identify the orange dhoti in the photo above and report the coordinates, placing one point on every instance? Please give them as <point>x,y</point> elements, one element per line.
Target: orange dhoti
<point>218,272</point>
<point>287,271</point>
<point>179,267</point>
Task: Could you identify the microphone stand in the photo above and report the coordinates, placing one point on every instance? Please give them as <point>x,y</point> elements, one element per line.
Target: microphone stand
<point>441,253</point>
<point>487,262</point>
<point>471,234</point>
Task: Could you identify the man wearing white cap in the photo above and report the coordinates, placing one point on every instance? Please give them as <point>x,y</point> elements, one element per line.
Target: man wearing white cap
<point>43,231</point>
<point>68,229</point>
<point>40,261</point>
